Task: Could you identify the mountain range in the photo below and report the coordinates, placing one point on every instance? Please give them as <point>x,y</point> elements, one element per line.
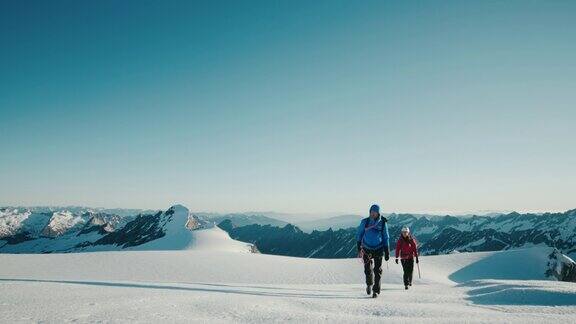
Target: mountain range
<point>435,234</point>
<point>60,230</point>
<point>48,230</point>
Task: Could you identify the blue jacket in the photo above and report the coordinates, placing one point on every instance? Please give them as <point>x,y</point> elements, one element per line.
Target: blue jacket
<point>372,236</point>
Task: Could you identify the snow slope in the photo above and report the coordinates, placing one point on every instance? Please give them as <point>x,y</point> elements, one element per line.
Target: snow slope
<point>216,240</point>
<point>213,279</point>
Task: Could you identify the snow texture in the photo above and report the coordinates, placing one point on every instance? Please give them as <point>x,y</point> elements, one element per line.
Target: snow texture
<point>203,275</point>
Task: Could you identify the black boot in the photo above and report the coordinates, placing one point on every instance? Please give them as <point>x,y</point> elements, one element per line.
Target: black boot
<point>406,287</point>
<point>368,289</point>
<point>376,288</point>
<point>375,295</point>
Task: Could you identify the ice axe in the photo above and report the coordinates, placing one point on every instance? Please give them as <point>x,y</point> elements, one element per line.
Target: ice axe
<point>418,265</point>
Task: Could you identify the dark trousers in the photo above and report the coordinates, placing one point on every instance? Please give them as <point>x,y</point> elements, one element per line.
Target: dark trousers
<point>408,267</point>
<point>373,275</point>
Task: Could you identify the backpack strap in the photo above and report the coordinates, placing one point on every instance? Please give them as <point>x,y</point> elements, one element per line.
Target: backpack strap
<point>365,220</point>
<point>384,221</point>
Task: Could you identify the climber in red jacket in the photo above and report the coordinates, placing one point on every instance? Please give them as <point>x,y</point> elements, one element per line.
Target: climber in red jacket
<point>407,250</point>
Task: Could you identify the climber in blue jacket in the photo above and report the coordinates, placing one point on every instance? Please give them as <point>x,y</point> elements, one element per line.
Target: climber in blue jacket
<point>372,243</point>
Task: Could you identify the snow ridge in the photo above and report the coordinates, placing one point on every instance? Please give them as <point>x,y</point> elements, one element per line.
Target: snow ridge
<point>24,231</point>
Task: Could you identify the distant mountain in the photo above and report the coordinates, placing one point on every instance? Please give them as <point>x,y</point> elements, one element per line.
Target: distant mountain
<point>352,220</point>
<point>60,230</point>
<point>243,219</point>
<point>291,241</point>
<point>81,210</point>
<point>436,234</point>
<point>285,218</point>
<point>335,223</point>
<point>29,231</point>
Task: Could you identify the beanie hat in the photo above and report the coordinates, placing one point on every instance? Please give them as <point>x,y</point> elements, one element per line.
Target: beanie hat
<point>375,208</point>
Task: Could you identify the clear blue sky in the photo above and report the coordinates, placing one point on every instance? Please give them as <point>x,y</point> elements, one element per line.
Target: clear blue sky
<point>291,106</point>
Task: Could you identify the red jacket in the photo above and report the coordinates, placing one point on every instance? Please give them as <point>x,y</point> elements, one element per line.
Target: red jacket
<point>406,248</point>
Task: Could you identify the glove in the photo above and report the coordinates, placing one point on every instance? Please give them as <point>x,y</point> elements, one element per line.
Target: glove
<point>396,260</point>
<point>386,255</point>
<point>417,260</point>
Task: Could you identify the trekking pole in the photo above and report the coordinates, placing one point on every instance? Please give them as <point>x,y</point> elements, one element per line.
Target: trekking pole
<point>387,265</point>
<point>419,276</point>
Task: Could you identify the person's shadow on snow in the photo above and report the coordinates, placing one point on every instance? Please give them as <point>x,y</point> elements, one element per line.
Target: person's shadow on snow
<point>268,291</point>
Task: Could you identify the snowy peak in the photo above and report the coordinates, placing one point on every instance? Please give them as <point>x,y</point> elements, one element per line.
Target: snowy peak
<point>24,231</point>
<point>22,223</point>
<point>28,224</point>
<point>174,229</point>
<point>561,267</point>
<point>147,228</point>
<point>180,219</point>
<point>179,209</point>
<point>176,217</point>
<point>63,222</point>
